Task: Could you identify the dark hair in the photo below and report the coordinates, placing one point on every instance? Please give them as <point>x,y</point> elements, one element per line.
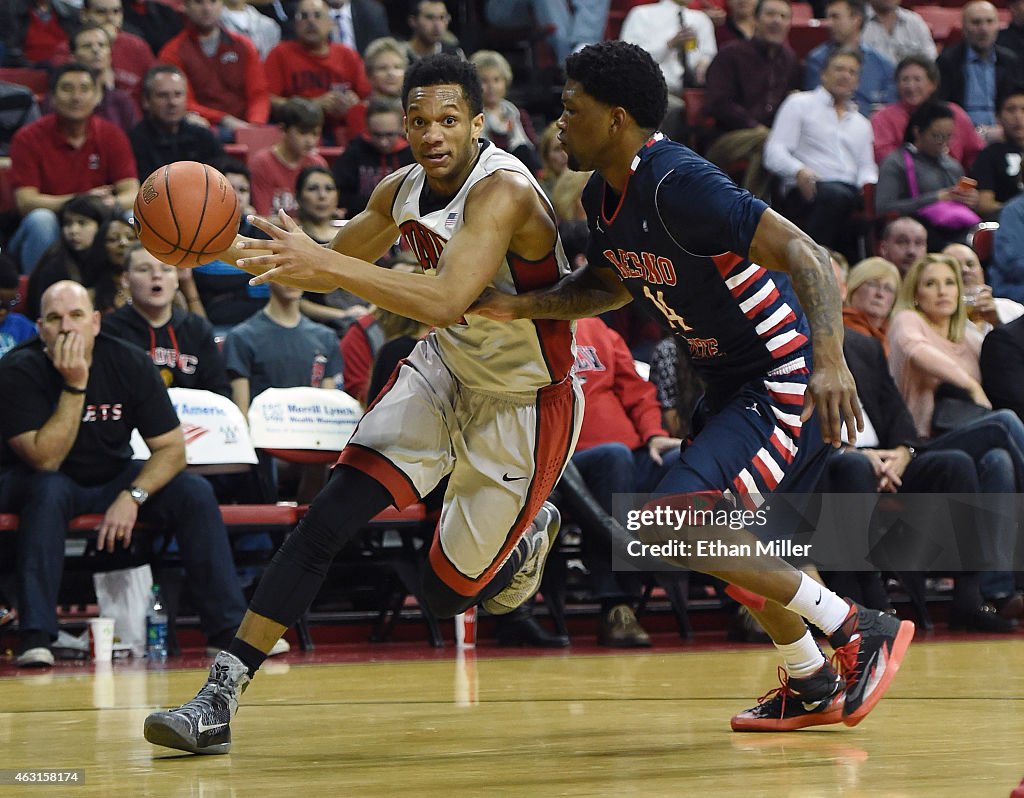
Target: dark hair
<point>1013,90</point>
<point>233,166</point>
<point>760,5</point>
<point>160,69</point>
<point>442,69</point>
<point>922,61</point>
<point>88,26</point>
<point>383,105</point>
<point>301,113</point>
<point>616,73</point>
<point>414,6</point>
<point>9,277</point>
<point>308,172</point>
<point>929,111</point>
<point>887,230</point>
<point>843,52</point>
<point>84,205</point>
<point>64,69</point>
<point>857,7</point>
<point>134,247</point>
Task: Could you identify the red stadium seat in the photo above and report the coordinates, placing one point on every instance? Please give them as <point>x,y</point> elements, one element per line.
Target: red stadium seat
<point>806,36</point>
<point>982,240</point>
<point>941,21</point>
<point>258,137</point>
<point>237,151</point>
<point>38,80</point>
<point>7,204</point>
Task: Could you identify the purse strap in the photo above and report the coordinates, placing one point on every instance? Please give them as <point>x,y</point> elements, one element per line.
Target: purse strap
<point>908,160</point>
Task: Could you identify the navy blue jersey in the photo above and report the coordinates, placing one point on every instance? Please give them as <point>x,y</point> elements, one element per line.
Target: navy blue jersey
<point>678,237</point>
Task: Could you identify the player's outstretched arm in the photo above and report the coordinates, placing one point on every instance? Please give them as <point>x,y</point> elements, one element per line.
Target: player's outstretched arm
<point>498,208</point>
<point>779,244</point>
<point>581,294</point>
<point>368,237</point>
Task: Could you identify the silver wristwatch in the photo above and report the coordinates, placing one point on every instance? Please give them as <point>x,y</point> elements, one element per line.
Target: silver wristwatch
<point>139,495</point>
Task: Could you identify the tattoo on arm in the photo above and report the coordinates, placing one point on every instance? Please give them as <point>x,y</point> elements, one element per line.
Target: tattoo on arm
<point>816,288</point>
<point>579,295</point>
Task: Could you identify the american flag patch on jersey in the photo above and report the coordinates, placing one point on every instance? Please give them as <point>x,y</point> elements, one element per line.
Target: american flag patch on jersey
<point>449,223</point>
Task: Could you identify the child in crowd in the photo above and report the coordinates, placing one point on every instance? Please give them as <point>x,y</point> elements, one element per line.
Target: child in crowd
<point>79,254</point>
<point>275,169</point>
<point>14,327</point>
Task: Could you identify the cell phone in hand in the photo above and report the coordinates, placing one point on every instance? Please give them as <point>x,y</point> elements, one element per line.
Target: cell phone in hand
<point>966,184</point>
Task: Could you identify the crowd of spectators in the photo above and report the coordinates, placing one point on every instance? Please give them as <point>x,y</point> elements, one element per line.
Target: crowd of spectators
<point>915,141</point>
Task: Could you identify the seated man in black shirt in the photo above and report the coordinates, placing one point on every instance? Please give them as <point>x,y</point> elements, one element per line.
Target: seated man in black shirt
<point>180,343</point>
<point>71,399</point>
<point>998,167</point>
<point>167,132</point>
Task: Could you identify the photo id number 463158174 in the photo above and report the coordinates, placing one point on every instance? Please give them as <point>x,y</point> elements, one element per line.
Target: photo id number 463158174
<point>42,776</point>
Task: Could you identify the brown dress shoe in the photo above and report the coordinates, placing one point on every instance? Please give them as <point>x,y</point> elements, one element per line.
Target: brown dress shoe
<point>620,629</point>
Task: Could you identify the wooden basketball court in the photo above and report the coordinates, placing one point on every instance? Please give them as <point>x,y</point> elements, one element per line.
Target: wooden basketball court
<point>651,724</point>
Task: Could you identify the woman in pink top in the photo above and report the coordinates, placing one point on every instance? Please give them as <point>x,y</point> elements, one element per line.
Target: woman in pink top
<point>917,79</point>
<point>931,340</point>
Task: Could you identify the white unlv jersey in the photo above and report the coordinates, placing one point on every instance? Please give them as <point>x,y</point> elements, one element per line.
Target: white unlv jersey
<point>497,357</point>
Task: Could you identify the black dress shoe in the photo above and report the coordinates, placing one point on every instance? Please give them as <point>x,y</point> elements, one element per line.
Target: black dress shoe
<point>983,619</point>
<point>516,630</point>
<point>1008,606</point>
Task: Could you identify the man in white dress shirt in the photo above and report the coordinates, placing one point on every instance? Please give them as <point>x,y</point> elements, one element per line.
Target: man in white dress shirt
<point>897,32</point>
<point>681,41</point>
<point>821,148</point>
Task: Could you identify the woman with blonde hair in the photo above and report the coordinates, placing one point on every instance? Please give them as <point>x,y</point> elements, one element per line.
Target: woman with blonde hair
<point>932,344</point>
<point>507,125</point>
<point>871,289</point>
<point>930,341</point>
<point>385,61</point>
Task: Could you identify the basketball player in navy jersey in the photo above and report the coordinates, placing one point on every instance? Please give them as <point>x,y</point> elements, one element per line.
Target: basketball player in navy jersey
<point>492,405</point>
<point>749,293</point>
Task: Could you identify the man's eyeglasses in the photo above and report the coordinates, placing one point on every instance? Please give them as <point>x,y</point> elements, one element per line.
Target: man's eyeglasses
<point>300,15</point>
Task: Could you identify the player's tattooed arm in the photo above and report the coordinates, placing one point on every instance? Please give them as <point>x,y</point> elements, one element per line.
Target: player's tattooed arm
<point>583,293</point>
<point>780,245</point>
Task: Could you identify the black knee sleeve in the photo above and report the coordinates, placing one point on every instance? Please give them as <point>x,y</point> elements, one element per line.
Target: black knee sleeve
<point>442,601</point>
<point>345,505</point>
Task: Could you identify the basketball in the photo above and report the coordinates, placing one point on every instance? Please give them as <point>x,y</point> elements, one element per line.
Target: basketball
<point>186,213</point>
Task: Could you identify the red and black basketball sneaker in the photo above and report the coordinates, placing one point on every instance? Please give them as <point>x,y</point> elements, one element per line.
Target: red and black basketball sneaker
<point>869,648</point>
<point>815,700</point>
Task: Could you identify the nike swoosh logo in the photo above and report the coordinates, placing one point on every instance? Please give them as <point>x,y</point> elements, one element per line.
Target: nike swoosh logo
<point>203,728</point>
<point>506,478</point>
<point>819,599</point>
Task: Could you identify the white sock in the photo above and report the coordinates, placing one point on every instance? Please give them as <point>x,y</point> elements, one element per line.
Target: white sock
<point>803,657</point>
<point>819,605</point>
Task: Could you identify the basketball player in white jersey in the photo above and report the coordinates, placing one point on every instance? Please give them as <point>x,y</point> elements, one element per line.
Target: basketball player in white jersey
<point>491,404</point>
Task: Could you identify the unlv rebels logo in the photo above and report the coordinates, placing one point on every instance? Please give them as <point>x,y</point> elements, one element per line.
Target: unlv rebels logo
<point>425,244</point>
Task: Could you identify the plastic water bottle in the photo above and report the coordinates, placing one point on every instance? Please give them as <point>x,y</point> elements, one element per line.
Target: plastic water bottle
<point>156,627</point>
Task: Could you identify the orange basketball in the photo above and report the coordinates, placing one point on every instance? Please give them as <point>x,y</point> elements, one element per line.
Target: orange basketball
<point>186,214</point>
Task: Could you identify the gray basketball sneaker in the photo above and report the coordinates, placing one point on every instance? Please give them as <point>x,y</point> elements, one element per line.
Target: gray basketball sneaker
<point>202,726</point>
<point>540,539</point>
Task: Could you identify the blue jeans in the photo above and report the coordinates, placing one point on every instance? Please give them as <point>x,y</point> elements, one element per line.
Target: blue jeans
<point>996,444</point>
<point>36,233</point>
<point>46,500</point>
<point>611,468</point>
